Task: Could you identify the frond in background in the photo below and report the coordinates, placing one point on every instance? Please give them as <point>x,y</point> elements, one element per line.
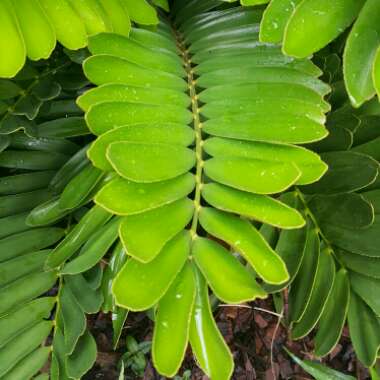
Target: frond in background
<point>32,28</point>
<point>339,276</point>
<point>306,26</point>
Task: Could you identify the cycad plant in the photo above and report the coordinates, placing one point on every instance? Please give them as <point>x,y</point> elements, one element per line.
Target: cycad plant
<point>156,166</point>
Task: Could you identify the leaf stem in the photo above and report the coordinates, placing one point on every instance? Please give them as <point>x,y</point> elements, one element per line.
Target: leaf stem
<point>197,129</point>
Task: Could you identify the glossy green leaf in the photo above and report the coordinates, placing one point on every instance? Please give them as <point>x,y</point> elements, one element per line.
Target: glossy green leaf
<point>20,183</point>
<point>25,289</point>
<point>348,171</point>
<point>291,247</point>
<point>124,93</point>
<point>376,73</point>
<point>172,323</point>
<point>272,128</point>
<point>311,166</point>
<point>366,265</point>
<point>94,249</point>
<point>243,237</point>
<point>342,210</point>
<point>364,330</point>
<point>141,12</point>
<point>207,343</point>
<point>319,371</point>
<point>368,289</point>
<point>322,287</point>
<point>362,242</point>
<point>29,241</point>
<point>93,219</point>
<point>29,365</point>
<point>37,31</point>
<point>359,54</point>
<point>14,159</point>
<point>83,357</point>
<point>66,127</point>
<point>20,266</point>
<point>109,115</point>
<point>255,206</point>
<point>132,51</point>
<point>275,18</point>
<point>142,162</point>
<point>22,345</point>
<point>163,133</point>
<point>11,41</point>
<point>303,283</point>
<point>228,278</point>
<point>91,15</point>
<point>74,320</point>
<point>145,234</point>
<point>46,213</point>
<point>80,187</point>
<point>256,176</point>
<point>129,73</point>
<point>69,28</point>
<point>157,275</point>
<point>89,299</point>
<point>334,315</point>
<point>13,323</point>
<point>315,23</point>
<point>127,198</point>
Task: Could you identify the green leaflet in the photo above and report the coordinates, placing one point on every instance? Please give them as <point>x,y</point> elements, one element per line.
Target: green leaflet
<point>74,320</point>
<point>94,249</point>
<point>255,206</point>
<point>11,41</point>
<point>14,323</point>
<point>303,283</point>
<point>172,323</point>
<point>256,176</point>
<point>206,341</point>
<point>228,278</point>
<point>348,171</point>
<point>291,247</point>
<point>22,345</point>
<point>141,162</point>
<point>79,187</point>
<point>275,18</point>
<point>319,371</point>
<point>31,240</point>
<point>93,219</point>
<point>13,269</point>
<point>131,94</point>
<point>334,315</point>
<point>367,288</point>
<point>351,210</point>
<point>83,357</point>
<point>364,330</point>
<point>315,23</point>
<point>144,235</point>
<point>242,236</point>
<point>38,33</point>
<point>133,198</point>
<point>360,51</point>
<point>165,133</point>
<point>157,275</point>
<point>29,365</point>
<point>89,299</point>
<point>25,289</point>
<point>322,287</point>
